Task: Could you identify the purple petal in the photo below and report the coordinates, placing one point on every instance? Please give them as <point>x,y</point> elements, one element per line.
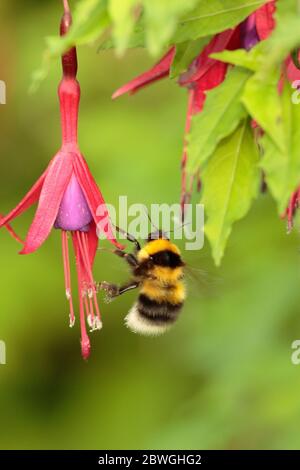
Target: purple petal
<point>74,213</point>
<point>249,33</point>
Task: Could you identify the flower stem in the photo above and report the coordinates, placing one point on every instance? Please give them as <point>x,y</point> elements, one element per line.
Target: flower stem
<point>66,6</point>
<point>69,89</point>
<point>69,58</point>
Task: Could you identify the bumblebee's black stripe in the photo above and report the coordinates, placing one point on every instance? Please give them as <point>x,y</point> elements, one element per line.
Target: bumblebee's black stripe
<point>164,258</point>
<point>157,312</point>
<point>167,258</point>
<point>151,303</point>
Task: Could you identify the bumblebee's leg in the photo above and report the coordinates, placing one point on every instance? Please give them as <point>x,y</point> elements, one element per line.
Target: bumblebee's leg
<point>129,237</point>
<point>112,290</point>
<point>129,258</point>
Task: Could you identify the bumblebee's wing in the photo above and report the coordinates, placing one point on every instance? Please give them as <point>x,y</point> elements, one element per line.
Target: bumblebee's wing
<point>201,282</point>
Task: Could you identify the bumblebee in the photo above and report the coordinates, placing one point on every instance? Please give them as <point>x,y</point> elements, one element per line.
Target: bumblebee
<point>158,271</point>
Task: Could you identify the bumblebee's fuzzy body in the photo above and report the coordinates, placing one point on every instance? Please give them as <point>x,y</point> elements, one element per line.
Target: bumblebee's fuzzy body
<point>158,270</point>
<point>160,276</point>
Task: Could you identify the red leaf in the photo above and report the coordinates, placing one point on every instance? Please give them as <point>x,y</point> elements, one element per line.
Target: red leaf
<point>31,197</point>
<point>213,77</point>
<point>202,65</point>
<point>198,100</point>
<point>160,70</point>
<point>12,232</point>
<point>55,184</point>
<point>292,72</point>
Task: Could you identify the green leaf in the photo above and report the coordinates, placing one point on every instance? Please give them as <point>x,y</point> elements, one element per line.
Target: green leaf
<point>282,167</point>
<point>248,59</point>
<point>136,39</point>
<point>263,104</point>
<point>161,17</point>
<point>212,16</point>
<point>123,19</point>
<point>284,39</point>
<point>186,53</point>
<point>90,20</point>
<point>230,182</point>
<point>155,27</point>
<point>261,91</point>
<point>222,113</point>
<point>287,7</point>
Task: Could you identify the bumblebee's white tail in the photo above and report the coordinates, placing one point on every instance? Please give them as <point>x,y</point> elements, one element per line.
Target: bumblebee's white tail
<point>138,324</point>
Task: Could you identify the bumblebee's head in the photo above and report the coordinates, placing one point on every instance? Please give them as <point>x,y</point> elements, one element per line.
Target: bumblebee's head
<point>158,234</point>
<point>159,250</point>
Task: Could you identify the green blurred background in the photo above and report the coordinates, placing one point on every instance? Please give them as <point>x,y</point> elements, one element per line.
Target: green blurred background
<point>223,377</point>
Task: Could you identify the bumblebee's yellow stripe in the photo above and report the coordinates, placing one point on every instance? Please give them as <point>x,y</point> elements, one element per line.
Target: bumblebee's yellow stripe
<point>155,246</point>
<point>155,291</point>
<point>167,275</point>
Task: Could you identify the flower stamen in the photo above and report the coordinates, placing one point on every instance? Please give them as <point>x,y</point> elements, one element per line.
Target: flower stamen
<point>85,342</point>
<point>67,273</point>
<point>83,243</point>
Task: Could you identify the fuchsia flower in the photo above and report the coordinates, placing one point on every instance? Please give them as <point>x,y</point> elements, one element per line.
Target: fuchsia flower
<point>264,20</point>
<point>68,199</point>
<point>265,23</point>
<point>291,209</point>
<point>205,73</point>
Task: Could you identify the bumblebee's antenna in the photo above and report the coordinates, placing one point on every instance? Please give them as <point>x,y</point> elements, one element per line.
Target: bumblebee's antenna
<point>149,218</point>
<point>180,226</point>
<point>129,237</point>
